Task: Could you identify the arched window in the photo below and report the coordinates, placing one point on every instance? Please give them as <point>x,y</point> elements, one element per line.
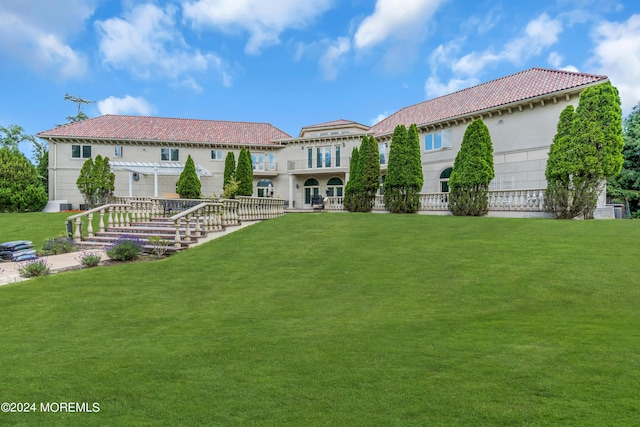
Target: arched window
<point>265,188</point>
<point>335,187</point>
<point>444,180</point>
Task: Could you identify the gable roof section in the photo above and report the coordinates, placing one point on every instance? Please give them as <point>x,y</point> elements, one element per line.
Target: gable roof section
<point>334,124</point>
<point>161,129</point>
<point>518,87</point>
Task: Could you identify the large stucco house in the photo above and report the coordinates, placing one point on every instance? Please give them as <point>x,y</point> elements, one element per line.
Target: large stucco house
<point>147,153</point>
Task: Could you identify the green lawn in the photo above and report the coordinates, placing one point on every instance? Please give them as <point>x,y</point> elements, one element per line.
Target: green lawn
<point>342,319</point>
<point>35,226</point>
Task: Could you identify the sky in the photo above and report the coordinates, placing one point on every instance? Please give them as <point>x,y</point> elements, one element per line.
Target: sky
<point>292,63</point>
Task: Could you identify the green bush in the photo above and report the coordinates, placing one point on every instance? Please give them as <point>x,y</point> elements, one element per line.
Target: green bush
<point>58,245</point>
<point>34,268</point>
<point>126,248</point>
<point>159,245</point>
<point>20,186</point>
<point>89,259</point>
<point>189,185</point>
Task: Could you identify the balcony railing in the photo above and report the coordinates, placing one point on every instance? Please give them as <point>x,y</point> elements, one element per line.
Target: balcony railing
<point>500,200</point>
<point>298,165</point>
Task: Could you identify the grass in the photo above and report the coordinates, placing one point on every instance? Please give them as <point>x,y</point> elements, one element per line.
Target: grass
<point>342,319</point>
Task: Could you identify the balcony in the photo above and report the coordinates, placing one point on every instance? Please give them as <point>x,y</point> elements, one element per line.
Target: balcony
<point>265,169</point>
<point>301,167</point>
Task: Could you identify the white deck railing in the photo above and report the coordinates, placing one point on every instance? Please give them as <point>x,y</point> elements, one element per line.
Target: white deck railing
<point>499,200</point>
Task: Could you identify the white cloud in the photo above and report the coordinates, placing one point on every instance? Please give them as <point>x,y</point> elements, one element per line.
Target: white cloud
<point>380,117</point>
<point>434,88</point>
<point>555,60</point>
<point>146,43</point>
<point>333,56</point>
<point>540,33</point>
<point>126,105</point>
<point>393,20</point>
<point>36,34</point>
<point>617,55</point>
<point>264,20</point>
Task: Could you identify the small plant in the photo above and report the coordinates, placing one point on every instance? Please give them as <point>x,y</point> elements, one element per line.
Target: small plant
<point>58,245</point>
<point>159,244</point>
<point>89,259</point>
<point>126,248</point>
<point>34,268</point>
<point>230,190</point>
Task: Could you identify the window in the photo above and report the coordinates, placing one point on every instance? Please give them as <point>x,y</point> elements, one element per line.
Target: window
<point>309,158</point>
<point>337,156</point>
<point>437,140</point>
<point>118,151</point>
<point>80,151</point>
<point>383,153</point>
<point>323,159</point>
<point>265,188</point>
<point>258,162</point>
<point>271,161</point>
<point>170,154</point>
<point>444,180</point>
<point>216,154</point>
<point>335,187</point>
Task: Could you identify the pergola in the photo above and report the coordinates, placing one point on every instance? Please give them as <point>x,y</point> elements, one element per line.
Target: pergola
<point>155,169</point>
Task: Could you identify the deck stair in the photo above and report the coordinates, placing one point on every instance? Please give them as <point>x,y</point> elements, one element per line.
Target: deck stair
<point>143,230</point>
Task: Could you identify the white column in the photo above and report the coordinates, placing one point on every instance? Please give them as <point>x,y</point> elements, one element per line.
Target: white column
<point>155,182</point>
<point>130,183</point>
<point>290,191</point>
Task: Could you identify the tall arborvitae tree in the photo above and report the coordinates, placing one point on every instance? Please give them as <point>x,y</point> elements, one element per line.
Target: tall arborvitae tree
<point>472,172</point>
<point>625,188</point>
<point>103,181</point>
<point>364,180</point>
<point>354,184</point>
<point>244,173</point>
<point>229,168</point>
<point>590,154</point>
<point>404,177</point>
<point>85,182</point>
<point>189,186</point>
<point>369,164</point>
<point>562,197</point>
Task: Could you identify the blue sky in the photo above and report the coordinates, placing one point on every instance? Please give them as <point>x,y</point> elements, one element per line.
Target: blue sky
<point>293,63</point>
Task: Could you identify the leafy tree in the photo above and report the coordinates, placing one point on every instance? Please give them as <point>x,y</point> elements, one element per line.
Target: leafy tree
<point>625,188</point>
<point>472,172</point>
<point>20,188</point>
<point>244,173</point>
<point>79,101</point>
<point>41,159</point>
<point>229,168</point>
<point>404,174</point>
<point>13,136</point>
<point>363,190</point>
<point>588,155</point>
<point>353,185</point>
<point>96,182</point>
<point>189,186</point>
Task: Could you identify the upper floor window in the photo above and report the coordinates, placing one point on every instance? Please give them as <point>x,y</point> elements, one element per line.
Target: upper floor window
<point>258,161</point>
<point>80,151</point>
<point>437,140</point>
<point>384,153</point>
<point>271,161</point>
<point>216,154</point>
<point>170,154</point>
<point>118,151</point>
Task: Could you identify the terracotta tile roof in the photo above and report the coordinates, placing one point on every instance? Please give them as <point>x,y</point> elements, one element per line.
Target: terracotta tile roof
<point>517,87</point>
<point>339,122</point>
<point>141,128</point>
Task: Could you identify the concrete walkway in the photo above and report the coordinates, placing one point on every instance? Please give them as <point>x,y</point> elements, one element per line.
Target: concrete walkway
<point>9,270</point>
